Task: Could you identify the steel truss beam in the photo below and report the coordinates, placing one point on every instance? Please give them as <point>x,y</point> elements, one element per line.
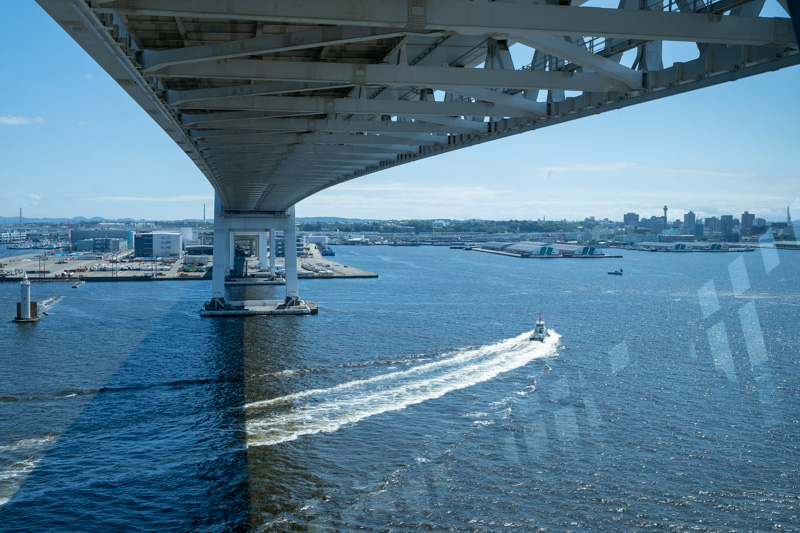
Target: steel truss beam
<point>393,75</point>
<point>349,106</point>
<point>477,18</point>
<point>154,60</point>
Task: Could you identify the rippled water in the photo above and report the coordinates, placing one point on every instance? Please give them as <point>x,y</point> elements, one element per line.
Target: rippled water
<point>667,400</point>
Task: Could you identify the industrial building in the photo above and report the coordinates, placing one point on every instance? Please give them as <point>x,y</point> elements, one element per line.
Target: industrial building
<point>279,245</point>
<point>100,245</point>
<point>158,244</point>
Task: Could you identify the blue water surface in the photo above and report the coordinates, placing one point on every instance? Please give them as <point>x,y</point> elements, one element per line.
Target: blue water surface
<point>670,400</point>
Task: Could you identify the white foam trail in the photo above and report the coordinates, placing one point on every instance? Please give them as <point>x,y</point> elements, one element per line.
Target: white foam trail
<point>17,460</point>
<point>326,410</point>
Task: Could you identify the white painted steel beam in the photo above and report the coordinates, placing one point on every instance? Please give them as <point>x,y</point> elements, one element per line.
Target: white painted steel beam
<point>175,98</point>
<point>477,18</point>
<point>336,126</point>
<point>305,149</point>
<point>506,100</point>
<point>347,106</point>
<point>392,142</point>
<point>454,123</point>
<point>393,76</point>
<point>579,55</point>
<point>153,60</point>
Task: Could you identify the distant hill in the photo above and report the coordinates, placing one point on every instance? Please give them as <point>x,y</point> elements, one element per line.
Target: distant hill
<point>7,221</point>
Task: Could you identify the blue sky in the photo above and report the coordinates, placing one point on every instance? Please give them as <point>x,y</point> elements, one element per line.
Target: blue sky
<point>74,144</point>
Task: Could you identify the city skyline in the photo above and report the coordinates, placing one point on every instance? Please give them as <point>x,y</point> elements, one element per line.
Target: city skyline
<point>12,220</point>
<point>77,145</point>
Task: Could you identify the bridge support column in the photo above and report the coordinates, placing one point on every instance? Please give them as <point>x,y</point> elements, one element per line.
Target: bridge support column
<point>231,252</point>
<point>290,258</point>
<point>272,252</point>
<point>223,257</point>
<point>262,249</point>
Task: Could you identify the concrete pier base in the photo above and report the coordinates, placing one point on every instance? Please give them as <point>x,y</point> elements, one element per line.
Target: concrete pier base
<point>26,320</point>
<point>31,316</point>
<point>254,281</point>
<point>260,307</point>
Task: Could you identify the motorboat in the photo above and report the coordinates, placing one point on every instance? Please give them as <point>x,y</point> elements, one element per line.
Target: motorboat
<point>540,331</point>
<point>616,272</point>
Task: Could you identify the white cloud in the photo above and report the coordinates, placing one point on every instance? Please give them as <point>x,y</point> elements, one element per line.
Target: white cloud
<point>402,200</point>
<point>11,120</point>
<point>34,196</point>
<point>408,190</point>
<point>621,166</point>
<point>81,123</point>
<point>593,167</point>
<point>87,76</point>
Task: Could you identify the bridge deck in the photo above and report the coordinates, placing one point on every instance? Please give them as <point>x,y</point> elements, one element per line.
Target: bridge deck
<point>275,101</point>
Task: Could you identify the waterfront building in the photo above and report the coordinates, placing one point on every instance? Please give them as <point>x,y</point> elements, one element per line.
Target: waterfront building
<point>657,225</point>
<point>317,239</point>
<point>9,237</point>
<point>280,247</point>
<point>726,224</point>
<point>100,245</point>
<point>689,220</point>
<point>631,220</point>
<point>189,237</point>
<point>712,224</point>
<point>748,221</point>
<point>158,244</point>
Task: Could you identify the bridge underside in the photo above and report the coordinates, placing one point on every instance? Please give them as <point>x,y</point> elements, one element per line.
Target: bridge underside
<point>275,101</point>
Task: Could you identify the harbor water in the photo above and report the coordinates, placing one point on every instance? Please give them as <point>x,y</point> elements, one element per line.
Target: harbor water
<point>667,398</point>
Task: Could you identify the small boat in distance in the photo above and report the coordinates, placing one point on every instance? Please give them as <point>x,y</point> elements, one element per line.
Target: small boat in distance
<point>540,331</point>
<point>616,272</point>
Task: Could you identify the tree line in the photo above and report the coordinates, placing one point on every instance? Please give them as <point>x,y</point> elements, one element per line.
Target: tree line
<point>427,226</point>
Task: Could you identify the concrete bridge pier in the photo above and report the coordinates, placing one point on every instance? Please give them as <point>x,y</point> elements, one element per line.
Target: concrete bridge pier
<point>227,226</point>
<point>290,257</point>
<point>223,257</point>
<point>262,249</point>
<point>272,252</point>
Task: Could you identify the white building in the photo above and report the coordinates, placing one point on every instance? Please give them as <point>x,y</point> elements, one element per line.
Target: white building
<point>189,237</point>
<point>317,239</point>
<point>167,244</point>
<point>158,244</point>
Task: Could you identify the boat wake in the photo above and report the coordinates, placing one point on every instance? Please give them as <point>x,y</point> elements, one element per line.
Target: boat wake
<point>288,417</point>
<point>17,460</point>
